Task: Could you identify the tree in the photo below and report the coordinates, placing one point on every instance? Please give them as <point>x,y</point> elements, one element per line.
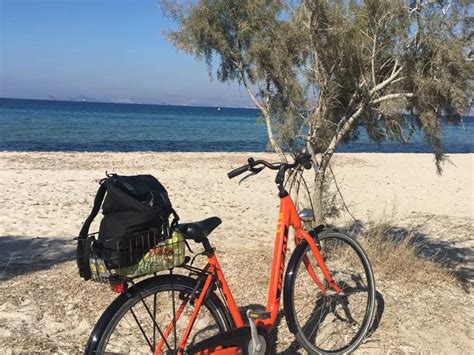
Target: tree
<point>321,70</point>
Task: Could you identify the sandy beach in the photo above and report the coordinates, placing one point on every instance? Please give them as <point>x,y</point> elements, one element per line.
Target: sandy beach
<point>45,197</point>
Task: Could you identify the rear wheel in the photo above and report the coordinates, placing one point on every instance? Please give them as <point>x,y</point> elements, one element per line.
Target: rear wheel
<point>137,321</point>
<point>330,323</point>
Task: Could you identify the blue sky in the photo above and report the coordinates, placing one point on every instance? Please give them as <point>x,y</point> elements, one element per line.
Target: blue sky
<point>107,50</point>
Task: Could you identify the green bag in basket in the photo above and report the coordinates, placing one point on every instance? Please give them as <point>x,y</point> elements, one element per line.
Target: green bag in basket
<point>163,256</point>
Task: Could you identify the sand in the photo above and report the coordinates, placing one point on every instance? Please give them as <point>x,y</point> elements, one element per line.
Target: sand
<point>45,197</point>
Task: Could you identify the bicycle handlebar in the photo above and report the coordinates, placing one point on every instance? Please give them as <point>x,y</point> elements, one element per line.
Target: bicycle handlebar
<point>303,159</point>
<point>238,171</point>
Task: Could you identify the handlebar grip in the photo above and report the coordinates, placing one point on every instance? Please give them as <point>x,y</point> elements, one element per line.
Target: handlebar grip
<point>237,171</point>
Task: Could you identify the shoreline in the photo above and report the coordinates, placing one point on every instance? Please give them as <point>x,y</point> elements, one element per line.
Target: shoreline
<point>198,152</point>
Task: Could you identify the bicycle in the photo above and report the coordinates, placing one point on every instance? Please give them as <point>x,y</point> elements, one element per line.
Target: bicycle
<point>328,293</point>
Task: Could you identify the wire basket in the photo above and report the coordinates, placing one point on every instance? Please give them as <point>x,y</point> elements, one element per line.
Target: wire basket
<point>135,255</point>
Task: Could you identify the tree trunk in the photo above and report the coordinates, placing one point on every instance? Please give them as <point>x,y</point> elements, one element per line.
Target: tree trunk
<point>271,137</point>
<point>319,169</point>
<point>318,196</point>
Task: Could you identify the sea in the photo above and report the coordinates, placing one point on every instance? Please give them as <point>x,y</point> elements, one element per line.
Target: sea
<point>40,125</point>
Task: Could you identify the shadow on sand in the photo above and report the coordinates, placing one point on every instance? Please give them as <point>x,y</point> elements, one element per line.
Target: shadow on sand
<point>449,253</point>
<point>21,255</point>
<point>294,347</point>
<point>445,252</point>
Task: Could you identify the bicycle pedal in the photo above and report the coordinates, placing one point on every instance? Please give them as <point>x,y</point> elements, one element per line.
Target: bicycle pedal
<point>258,314</point>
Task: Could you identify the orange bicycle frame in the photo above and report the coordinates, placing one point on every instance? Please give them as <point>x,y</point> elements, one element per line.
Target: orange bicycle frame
<point>287,216</point>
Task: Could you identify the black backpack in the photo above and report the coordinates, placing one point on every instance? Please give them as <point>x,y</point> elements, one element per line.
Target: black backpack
<point>132,204</point>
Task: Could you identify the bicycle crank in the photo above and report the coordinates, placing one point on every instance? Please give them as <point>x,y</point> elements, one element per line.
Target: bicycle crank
<point>258,344</point>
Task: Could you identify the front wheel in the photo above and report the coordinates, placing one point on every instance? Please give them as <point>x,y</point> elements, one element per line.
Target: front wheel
<point>139,320</point>
<point>325,323</point>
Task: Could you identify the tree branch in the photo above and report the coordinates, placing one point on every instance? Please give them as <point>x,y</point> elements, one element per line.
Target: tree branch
<point>267,116</point>
<point>339,135</point>
<point>392,97</point>
<point>374,47</point>
<point>389,80</point>
<point>349,105</point>
<point>349,123</point>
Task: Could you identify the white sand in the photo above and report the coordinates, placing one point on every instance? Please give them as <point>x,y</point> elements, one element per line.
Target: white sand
<point>50,194</point>
<point>45,197</point>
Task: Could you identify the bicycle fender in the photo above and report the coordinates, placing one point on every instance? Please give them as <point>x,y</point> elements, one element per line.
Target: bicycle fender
<point>287,290</point>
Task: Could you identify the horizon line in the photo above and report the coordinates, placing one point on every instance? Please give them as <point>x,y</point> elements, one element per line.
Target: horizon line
<point>129,103</point>
<point>469,114</point>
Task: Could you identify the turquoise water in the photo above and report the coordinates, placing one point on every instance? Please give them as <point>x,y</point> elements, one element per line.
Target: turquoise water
<point>33,125</point>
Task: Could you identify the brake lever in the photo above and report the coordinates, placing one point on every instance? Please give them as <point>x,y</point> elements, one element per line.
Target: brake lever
<point>252,173</point>
<point>246,177</point>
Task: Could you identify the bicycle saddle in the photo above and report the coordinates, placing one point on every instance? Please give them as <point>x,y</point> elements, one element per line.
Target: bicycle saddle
<point>198,231</point>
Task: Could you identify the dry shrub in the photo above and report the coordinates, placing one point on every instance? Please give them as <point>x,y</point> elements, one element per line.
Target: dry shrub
<point>401,255</point>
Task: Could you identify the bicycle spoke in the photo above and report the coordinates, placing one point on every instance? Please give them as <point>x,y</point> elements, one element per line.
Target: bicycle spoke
<point>174,318</point>
<point>321,312</point>
<point>154,323</point>
<point>166,304</point>
<point>345,308</point>
<point>141,329</point>
<point>154,317</point>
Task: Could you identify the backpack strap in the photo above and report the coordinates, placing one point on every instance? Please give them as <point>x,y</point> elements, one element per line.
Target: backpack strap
<point>83,243</point>
<point>175,221</point>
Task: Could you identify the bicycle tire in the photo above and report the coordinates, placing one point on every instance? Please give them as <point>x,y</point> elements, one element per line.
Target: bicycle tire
<point>137,296</point>
<point>310,333</point>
